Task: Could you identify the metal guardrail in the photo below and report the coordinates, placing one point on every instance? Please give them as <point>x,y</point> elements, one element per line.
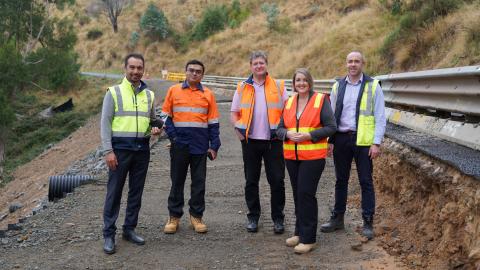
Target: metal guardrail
<point>450,90</point>
<point>231,83</point>
<point>441,92</point>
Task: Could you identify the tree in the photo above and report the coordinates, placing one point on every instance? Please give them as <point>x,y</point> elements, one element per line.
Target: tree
<point>154,23</point>
<point>35,48</point>
<point>213,20</point>
<point>113,9</point>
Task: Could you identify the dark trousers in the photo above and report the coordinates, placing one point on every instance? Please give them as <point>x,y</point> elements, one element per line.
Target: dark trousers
<point>135,164</point>
<point>304,177</point>
<point>272,154</point>
<point>344,151</point>
<point>180,160</point>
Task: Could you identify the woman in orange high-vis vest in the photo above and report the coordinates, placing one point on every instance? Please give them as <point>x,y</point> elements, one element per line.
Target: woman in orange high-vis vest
<point>307,121</point>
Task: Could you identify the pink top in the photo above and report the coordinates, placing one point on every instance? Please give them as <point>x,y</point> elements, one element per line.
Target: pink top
<point>259,127</point>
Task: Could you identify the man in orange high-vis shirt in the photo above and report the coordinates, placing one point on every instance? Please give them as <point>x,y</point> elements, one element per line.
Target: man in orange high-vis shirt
<point>193,129</point>
<point>256,109</point>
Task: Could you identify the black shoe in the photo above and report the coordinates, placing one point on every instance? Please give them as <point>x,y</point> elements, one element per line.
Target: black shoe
<point>335,223</point>
<point>131,236</point>
<point>252,225</point>
<point>109,245</point>
<point>367,230</point>
<point>278,227</point>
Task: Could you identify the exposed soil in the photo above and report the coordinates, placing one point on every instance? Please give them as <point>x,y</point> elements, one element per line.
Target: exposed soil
<point>30,184</point>
<point>428,213</point>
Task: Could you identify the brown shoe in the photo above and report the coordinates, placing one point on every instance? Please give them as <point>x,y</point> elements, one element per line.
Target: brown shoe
<point>198,224</point>
<point>292,241</point>
<point>304,248</point>
<point>172,225</point>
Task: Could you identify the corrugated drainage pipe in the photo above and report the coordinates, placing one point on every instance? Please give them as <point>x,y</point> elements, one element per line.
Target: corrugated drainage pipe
<point>59,185</point>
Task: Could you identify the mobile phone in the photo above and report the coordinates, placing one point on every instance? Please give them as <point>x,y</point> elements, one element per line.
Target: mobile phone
<point>210,156</point>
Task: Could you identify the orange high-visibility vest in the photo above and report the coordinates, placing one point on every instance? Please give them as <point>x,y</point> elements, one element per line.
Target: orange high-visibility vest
<point>309,121</point>
<point>273,96</point>
<point>190,107</point>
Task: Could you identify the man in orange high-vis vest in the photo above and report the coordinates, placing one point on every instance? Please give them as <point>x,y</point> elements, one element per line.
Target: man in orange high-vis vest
<point>193,129</point>
<point>256,109</point>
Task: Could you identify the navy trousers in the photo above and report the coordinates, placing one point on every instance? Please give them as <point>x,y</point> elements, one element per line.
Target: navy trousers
<point>271,152</point>
<point>180,160</point>
<point>135,165</point>
<point>304,177</point>
<point>345,150</point>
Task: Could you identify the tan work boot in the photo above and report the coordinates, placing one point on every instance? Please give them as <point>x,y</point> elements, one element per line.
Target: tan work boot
<point>304,248</point>
<point>198,224</point>
<point>292,241</point>
<point>172,225</point>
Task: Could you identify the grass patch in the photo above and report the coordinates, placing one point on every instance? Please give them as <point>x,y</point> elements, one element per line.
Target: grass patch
<point>30,135</point>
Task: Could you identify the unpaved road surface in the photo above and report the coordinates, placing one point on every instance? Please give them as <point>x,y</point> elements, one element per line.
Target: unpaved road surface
<point>67,235</point>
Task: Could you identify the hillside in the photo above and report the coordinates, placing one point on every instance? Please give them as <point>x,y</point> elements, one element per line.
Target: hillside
<point>321,33</point>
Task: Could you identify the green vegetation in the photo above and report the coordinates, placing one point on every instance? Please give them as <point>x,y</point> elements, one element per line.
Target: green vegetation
<point>31,134</point>
<point>134,38</point>
<point>36,52</point>
<point>274,23</point>
<point>214,19</point>
<point>154,24</point>
<point>94,34</point>
<point>237,14</point>
<point>413,15</point>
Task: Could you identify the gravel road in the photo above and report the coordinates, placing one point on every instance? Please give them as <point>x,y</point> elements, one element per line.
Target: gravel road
<point>67,234</point>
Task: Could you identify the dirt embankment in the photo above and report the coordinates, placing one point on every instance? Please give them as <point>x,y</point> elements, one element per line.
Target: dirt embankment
<point>30,185</point>
<point>428,213</point>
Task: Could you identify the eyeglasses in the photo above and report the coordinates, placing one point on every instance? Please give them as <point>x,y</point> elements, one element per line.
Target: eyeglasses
<point>194,71</point>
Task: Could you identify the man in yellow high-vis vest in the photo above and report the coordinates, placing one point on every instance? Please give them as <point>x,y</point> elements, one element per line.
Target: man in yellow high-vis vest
<point>359,107</point>
<point>128,119</point>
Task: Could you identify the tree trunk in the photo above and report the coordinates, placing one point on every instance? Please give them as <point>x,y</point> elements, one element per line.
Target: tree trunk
<point>115,26</point>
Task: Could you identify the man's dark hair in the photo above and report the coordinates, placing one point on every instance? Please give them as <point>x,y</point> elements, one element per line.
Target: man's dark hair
<point>134,55</point>
<point>195,62</point>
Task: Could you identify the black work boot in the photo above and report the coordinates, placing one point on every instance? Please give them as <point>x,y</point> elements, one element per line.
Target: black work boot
<point>367,230</point>
<point>335,223</point>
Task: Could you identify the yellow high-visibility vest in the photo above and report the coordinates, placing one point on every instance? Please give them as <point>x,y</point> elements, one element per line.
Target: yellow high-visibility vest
<point>132,112</point>
<point>366,117</point>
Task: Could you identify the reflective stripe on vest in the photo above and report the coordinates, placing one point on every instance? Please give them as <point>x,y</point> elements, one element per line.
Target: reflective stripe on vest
<point>132,113</point>
<point>274,99</point>
<point>309,121</point>
<point>190,108</point>
<point>366,118</point>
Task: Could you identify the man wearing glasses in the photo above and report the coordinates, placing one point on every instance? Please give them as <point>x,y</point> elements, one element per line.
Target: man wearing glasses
<point>193,129</point>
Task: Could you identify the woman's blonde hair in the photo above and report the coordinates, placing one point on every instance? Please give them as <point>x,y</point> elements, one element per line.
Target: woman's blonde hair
<point>307,75</point>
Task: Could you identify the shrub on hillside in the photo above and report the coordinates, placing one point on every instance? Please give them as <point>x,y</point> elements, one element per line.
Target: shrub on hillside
<point>237,14</point>
<point>94,34</point>
<point>134,38</point>
<point>83,20</point>
<point>212,21</point>
<point>271,10</point>
<point>281,25</point>
<point>56,69</point>
<point>414,15</point>
<point>154,23</point>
